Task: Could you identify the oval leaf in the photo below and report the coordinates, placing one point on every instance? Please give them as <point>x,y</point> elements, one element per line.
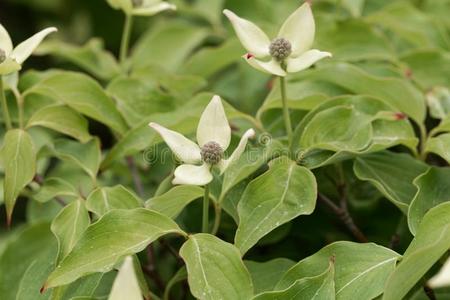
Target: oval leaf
<point>215,269</point>
<point>117,234</point>
<point>281,194</point>
<point>104,199</point>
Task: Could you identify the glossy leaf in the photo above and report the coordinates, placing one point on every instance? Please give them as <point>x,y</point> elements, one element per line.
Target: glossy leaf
<point>357,266</point>
<point>62,119</point>
<point>432,240</point>
<point>215,269</point>
<point>104,199</point>
<point>281,194</point>
<point>117,234</point>
<point>173,201</point>
<point>69,225</point>
<point>19,162</point>
<point>392,174</point>
<point>433,189</point>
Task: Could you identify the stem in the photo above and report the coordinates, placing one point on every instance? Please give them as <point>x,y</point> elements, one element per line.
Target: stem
<point>19,100</point>
<point>5,110</point>
<point>125,38</point>
<point>205,221</point>
<point>345,217</point>
<point>423,142</point>
<point>286,116</point>
<point>218,217</point>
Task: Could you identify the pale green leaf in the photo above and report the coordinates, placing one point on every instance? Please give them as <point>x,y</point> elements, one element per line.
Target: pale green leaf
<point>52,187</point>
<point>432,240</point>
<point>19,163</point>
<point>84,95</point>
<point>215,269</point>
<point>433,188</point>
<point>439,145</point>
<point>117,234</point>
<point>104,199</point>
<point>357,267</point>
<point>281,194</point>
<point>62,119</point>
<point>265,275</point>
<point>173,201</point>
<point>69,225</point>
<point>392,174</point>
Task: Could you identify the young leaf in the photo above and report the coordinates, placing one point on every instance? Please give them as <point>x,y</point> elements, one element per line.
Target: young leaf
<point>54,186</point>
<point>357,266</point>
<point>62,119</point>
<point>433,188</point>
<point>19,161</point>
<point>281,194</point>
<point>265,275</point>
<point>69,225</point>
<point>432,240</point>
<point>317,287</point>
<point>172,202</point>
<point>439,145</point>
<point>104,199</point>
<point>83,94</point>
<point>126,285</point>
<point>215,269</point>
<point>117,234</point>
<point>392,174</point>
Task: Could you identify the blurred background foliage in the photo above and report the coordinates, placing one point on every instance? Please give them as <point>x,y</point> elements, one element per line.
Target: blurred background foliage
<point>176,55</point>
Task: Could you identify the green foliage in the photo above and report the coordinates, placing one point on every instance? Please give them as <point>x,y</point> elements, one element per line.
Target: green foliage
<point>353,204</point>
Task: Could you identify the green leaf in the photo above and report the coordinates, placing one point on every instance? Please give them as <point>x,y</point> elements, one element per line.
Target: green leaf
<point>104,199</point>
<point>433,189</point>
<point>19,162</point>
<point>357,267</point>
<point>62,119</point>
<point>126,285</point>
<point>398,93</point>
<point>438,100</point>
<point>55,186</point>
<point>439,145</point>
<point>117,234</point>
<point>84,95</point>
<point>31,243</point>
<point>169,44</point>
<point>69,225</point>
<point>175,200</point>
<point>432,240</point>
<point>215,269</point>
<point>86,156</point>
<point>281,194</point>
<point>317,287</point>
<point>91,57</point>
<point>392,174</point>
<point>265,275</point>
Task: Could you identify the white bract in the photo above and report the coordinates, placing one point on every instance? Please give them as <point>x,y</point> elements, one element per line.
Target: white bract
<point>290,51</point>
<point>11,59</point>
<point>213,138</point>
<point>141,7</point>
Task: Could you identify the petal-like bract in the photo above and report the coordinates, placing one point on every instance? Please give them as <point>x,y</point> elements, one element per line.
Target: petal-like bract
<point>24,49</point>
<point>271,67</point>
<point>185,149</point>
<point>224,164</point>
<point>153,9</point>
<point>193,175</point>
<point>299,29</point>
<point>251,36</point>
<point>213,125</point>
<point>5,41</point>
<point>305,60</point>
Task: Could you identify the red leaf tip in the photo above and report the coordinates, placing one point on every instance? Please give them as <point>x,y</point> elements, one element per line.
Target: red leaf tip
<point>399,116</point>
<point>249,56</point>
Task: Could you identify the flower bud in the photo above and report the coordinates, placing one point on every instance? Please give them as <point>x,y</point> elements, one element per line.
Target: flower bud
<point>280,49</point>
<point>211,153</point>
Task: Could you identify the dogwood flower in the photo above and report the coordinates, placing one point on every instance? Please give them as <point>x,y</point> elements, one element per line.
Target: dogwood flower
<point>290,51</point>
<point>141,7</point>
<point>11,59</point>
<point>213,138</point>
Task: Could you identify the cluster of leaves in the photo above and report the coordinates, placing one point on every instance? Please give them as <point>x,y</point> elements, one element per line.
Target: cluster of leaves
<point>90,182</point>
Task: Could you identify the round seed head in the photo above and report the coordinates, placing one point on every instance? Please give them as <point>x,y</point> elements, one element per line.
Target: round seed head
<point>280,49</point>
<point>211,153</point>
<point>2,55</point>
<point>137,3</point>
